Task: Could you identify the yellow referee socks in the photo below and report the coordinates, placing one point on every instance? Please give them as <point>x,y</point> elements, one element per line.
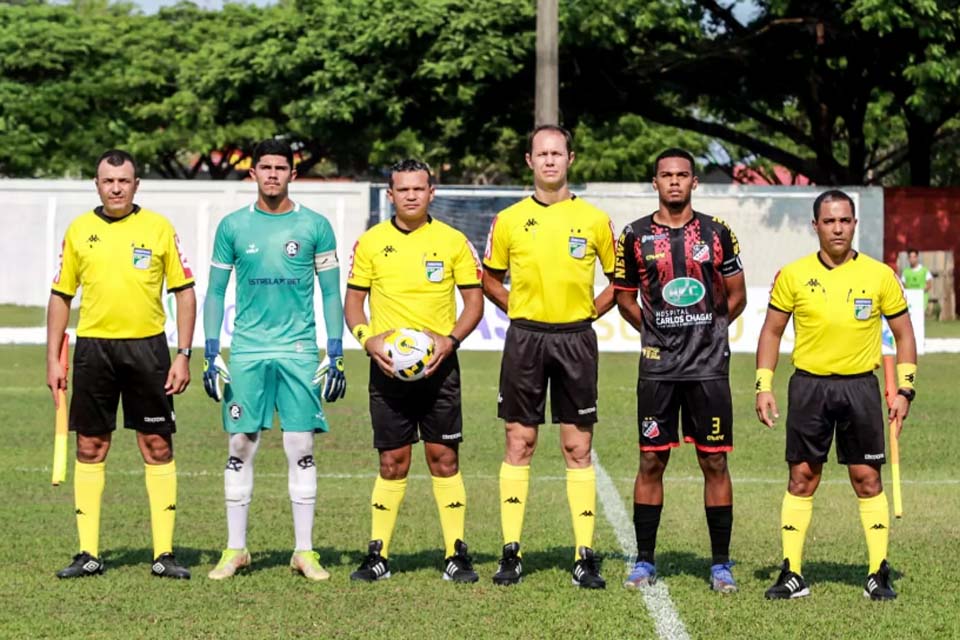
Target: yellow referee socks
<point>514,485</point>
<point>385,505</point>
<point>451,500</point>
<point>88,481</point>
<point>161,482</point>
<point>582,497</point>
<point>875,518</point>
<point>795,517</point>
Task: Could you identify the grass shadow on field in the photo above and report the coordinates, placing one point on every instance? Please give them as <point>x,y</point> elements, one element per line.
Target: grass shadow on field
<point>853,574</point>
<point>426,560</point>
<point>264,560</point>
<point>553,558</point>
<point>675,563</point>
<point>127,557</point>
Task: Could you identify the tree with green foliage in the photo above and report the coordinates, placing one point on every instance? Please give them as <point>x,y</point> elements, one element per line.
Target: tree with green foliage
<point>864,91</point>
<point>839,92</point>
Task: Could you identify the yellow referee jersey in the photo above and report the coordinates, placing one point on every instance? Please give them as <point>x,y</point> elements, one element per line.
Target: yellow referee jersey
<point>550,251</point>
<point>411,275</point>
<point>120,264</point>
<point>836,311</point>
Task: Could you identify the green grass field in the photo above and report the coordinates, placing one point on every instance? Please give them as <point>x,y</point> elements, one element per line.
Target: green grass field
<point>39,531</point>
<point>15,315</point>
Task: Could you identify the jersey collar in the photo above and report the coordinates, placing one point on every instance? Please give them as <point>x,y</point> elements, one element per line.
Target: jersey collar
<point>828,267</point>
<point>393,221</point>
<point>255,209</point>
<point>103,216</point>
<point>573,196</point>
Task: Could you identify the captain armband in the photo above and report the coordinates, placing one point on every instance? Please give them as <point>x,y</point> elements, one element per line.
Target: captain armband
<point>906,375</point>
<point>764,380</point>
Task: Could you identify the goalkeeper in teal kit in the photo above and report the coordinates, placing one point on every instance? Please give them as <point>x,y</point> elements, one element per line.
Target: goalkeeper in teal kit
<point>275,246</point>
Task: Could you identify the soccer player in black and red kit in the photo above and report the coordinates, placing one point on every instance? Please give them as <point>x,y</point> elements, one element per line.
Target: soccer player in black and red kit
<point>686,267</point>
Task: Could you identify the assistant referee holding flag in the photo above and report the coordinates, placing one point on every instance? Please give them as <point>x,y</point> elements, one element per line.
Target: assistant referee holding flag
<point>836,297</point>
<point>121,255</point>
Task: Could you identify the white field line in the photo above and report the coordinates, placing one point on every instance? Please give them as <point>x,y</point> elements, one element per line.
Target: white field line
<point>666,620</point>
<point>217,472</point>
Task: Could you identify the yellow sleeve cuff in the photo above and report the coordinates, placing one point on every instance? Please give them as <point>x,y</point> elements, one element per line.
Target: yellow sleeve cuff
<point>906,375</point>
<point>764,380</point>
<point>361,332</point>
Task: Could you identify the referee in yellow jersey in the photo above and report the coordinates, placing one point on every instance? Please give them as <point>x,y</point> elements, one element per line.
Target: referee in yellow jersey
<point>121,256</point>
<point>549,244</point>
<point>409,266</point>
<point>836,297</point>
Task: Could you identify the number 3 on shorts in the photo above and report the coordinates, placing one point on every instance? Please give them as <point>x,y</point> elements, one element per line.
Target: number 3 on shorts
<point>716,425</point>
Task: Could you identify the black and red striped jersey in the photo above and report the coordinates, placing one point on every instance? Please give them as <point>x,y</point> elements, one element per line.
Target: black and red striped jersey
<point>680,276</point>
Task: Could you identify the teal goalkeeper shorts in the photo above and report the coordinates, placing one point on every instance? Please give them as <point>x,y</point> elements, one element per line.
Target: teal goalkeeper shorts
<point>258,387</point>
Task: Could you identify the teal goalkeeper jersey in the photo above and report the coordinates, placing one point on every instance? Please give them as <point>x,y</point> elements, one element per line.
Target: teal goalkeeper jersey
<point>275,258</point>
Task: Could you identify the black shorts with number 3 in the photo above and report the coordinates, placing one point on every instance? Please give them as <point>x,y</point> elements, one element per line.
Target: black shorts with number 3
<point>563,356</point>
<point>107,371</point>
<point>703,409</point>
<point>850,406</point>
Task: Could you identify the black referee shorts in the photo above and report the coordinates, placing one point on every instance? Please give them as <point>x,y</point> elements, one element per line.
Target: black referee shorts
<point>106,371</point>
<point>403,412</point>
<point>563,356</point>
<point>850,406</point>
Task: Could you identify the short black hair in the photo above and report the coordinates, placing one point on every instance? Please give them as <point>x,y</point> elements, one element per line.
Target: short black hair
<point>675,152</point>
<point>117,158</point>
<point>831,196</point>
<point>408,165</point>
<point>567,136</point>
<point>272,147</point>
<point>909,251</point>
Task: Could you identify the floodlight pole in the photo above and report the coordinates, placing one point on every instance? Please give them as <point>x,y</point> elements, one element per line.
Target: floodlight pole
<point>547,102</point>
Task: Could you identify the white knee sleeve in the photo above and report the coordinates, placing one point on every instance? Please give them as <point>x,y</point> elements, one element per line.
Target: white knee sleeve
<point>238,474</point>
<point>302,472</point>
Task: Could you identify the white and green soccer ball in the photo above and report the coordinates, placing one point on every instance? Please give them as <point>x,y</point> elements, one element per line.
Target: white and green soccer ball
<point>411,351</point>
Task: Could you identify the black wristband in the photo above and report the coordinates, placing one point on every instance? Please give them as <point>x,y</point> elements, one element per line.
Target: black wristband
<point>185,352</point>
<point>909,394</point>
<point>456,341</point>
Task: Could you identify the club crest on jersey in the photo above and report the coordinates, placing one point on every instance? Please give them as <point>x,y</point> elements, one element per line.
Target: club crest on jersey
<point>650,428</point>
<point>141,258</point>
<point>700,253</point>
<point>291,248</point>
<point>862,308</point>
<point>434,270</point>
<point>578,247</point>
<point>235,411</point>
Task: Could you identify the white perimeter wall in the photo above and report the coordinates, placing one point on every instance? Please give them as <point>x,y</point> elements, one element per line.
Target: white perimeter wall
<point>772,224</point>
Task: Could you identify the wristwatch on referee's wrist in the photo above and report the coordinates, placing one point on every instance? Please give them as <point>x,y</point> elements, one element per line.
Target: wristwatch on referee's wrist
<point>185,352</point>
<point>909,394</point>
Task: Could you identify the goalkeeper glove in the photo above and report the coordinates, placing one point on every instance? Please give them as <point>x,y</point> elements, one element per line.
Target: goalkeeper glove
<point>330,376</point>
<point>215,373</point>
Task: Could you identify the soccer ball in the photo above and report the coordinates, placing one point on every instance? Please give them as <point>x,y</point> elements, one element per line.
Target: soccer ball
<point>411,351</point>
